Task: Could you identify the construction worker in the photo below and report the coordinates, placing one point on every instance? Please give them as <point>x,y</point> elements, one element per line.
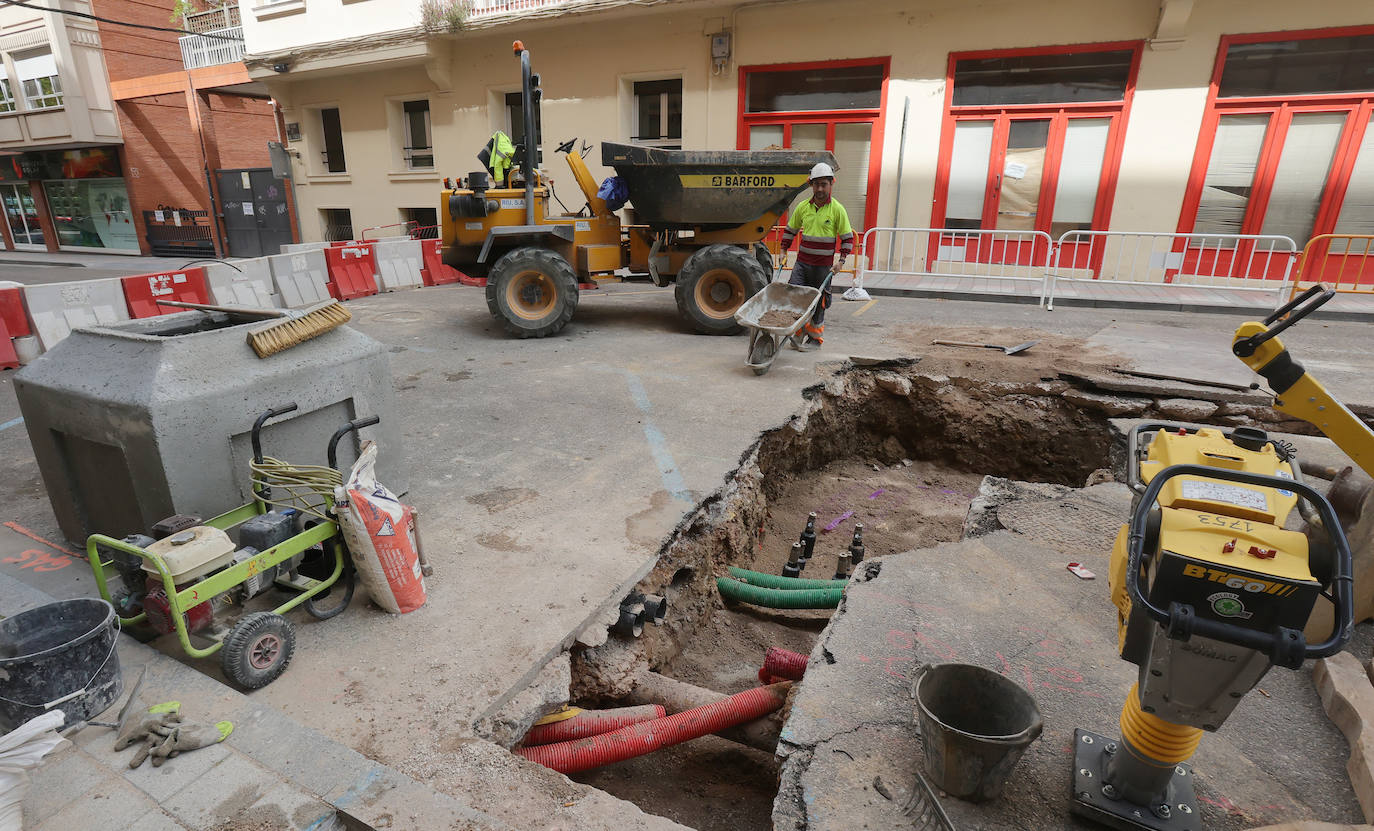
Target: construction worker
<point>822,222</point>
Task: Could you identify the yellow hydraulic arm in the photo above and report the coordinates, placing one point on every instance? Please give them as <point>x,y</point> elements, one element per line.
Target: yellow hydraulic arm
<point>1296,392</point>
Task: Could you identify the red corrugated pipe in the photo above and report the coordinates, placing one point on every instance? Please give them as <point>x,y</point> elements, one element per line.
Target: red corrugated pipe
<point>782,663</point>
<point>591,723</point>
<point>648,736</point>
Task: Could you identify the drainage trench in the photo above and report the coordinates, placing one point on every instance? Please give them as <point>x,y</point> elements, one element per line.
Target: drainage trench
<point>900,450</point>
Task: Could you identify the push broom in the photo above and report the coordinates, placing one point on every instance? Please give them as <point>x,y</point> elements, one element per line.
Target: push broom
<point>285,327</point>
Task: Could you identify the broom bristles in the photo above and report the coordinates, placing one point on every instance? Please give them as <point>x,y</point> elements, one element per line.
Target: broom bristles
<point>280,335</point>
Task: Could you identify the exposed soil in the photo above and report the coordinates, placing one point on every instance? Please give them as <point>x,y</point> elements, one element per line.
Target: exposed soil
<point>779,318</point>
<point>1051,355</point>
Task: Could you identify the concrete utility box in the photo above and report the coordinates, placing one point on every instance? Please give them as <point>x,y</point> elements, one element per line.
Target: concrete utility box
<point>137,421</point>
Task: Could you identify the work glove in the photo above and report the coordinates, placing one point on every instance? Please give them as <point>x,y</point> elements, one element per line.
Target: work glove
<point>182,738</point>
<point>139,729</point>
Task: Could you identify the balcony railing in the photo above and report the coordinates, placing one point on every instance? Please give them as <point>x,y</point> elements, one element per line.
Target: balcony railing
<point>491,8</point>
<point>212,20</point>
<point>226,46</point>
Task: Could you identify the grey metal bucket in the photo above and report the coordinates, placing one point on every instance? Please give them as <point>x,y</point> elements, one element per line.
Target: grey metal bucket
<point>975,724</point>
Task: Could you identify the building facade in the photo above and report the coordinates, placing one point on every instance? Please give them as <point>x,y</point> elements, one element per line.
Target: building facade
<point>1236,117</point>
<point>61,175</point>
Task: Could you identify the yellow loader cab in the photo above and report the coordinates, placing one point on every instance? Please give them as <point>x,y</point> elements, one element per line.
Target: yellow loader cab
<point>701,217</point>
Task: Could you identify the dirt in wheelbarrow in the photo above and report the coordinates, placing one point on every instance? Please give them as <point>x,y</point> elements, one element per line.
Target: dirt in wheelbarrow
<point>778,318</point>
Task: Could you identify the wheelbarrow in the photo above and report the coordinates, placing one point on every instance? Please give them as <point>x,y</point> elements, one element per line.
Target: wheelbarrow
<point>765,341</point>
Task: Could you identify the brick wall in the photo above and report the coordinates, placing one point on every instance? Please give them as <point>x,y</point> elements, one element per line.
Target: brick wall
<point>242,128</point>
<point>134,53</point>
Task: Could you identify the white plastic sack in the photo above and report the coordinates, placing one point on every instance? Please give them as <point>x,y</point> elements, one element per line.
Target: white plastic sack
<point>380,533</point>
<point>21,750</point>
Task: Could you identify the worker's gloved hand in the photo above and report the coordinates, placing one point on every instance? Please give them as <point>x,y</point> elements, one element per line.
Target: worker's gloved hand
<point>139,728</point>
<point>183,738</point>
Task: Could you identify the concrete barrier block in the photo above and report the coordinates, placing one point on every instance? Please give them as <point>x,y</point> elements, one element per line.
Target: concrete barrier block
<point>399,264</point>
<point>58,308</point>
<point>301,278</point>
<point>298,247</point>
<point>242,283</point>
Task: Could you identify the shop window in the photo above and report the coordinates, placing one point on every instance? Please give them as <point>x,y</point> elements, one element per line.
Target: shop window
<point>421,223</point>
<point>38,79</point>
<point>418,149</point>
<point>91,213</point>
<point>835,106</point>
<point>7,103</point>
<point>822,88</point>
<point>336,224</point>
<point>1060,78</point>
<point>658,113</point>
<point>332,133</point>
<point>1285,147</point>
<point>1298,67</point>
<point>21,214</point>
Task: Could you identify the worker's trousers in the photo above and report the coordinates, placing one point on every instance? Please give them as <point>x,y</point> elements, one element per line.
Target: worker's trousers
<point>804,274</point>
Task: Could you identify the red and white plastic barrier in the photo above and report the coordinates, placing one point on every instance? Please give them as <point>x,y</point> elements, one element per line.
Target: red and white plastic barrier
<point>352,270</point>
<point>14,323</point>
<point>143,291</point>
<point>435,272</point>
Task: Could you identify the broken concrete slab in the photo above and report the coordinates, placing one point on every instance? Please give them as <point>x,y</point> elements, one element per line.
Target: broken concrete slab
<point>1112,405</point>
<point>1348,697</point>
<point>995,492</point>
<point>1006,602</point>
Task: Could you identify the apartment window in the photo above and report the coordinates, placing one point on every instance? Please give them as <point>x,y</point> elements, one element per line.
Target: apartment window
<point>38,79</point>
<point>421,223</point>
<point>333,152</point>
<point>515,118</point>
<point>337,224</point>
<point>419,154</point>
<point>7,104</point>
<point>658,113</point>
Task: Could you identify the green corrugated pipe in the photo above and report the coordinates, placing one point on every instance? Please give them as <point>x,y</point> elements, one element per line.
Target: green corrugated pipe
<point>777,581</point>
<point>779,598</point>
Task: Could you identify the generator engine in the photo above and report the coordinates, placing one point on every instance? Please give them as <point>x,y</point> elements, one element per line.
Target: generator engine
<point>189,555</point>
<point>1211,591</point>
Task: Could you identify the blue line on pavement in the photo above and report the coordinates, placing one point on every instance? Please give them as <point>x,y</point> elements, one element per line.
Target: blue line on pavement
<point>658,444</point>
<point>14,422</point>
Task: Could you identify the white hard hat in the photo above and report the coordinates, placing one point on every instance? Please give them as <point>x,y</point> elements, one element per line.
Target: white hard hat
<point>821,171</point>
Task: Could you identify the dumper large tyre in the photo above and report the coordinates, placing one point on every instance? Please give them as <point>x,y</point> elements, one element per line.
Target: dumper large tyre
<point>532,291</point>
<point>713,283</point>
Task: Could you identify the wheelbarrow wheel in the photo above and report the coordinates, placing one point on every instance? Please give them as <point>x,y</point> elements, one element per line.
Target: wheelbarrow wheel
<point>714,283</point>
<point>258,649</point>
<point>532,291</point>
<point>762,350</point>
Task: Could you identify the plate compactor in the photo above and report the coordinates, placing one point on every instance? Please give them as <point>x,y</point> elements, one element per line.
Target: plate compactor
<point>1213,584</point>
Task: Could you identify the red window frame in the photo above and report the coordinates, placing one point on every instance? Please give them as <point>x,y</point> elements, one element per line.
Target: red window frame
<point>876,117</point>
<point>1058,114</point>
<point>1280,108</point>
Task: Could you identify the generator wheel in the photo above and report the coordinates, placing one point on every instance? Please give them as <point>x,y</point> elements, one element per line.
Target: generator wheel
<point>713,283</point>
<point>258,649</point>
<point>532,291</point>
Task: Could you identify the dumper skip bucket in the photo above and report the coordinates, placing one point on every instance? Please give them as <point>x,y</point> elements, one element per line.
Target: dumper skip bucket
<point>59,656</point>
<point>975,724</point>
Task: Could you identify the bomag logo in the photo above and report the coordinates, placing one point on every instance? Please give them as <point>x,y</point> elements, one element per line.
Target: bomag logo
<point>1240,582</point>
<point>1206,652</point>
<point>743,181</point>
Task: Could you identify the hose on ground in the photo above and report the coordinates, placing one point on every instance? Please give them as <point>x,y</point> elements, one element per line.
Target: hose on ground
<point>779,598</point>
<point>591,723</point>
<point>783,663</point>
<point>648,736</point>
<point>777,581</point>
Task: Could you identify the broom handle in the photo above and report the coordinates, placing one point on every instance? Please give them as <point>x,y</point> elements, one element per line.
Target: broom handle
<point>233,310</point>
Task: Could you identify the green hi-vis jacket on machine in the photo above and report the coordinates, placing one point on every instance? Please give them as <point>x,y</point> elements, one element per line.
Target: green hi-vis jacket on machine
<point>496,157</point>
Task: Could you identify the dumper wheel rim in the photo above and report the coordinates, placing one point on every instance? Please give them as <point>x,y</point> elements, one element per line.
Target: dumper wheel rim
<point>712,285</point>
<point>532,291</point>
<point>531,294</point>
<point>719,292</point>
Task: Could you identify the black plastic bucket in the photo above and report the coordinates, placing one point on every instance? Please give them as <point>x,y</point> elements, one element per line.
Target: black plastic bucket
<point>975,724</point>
<point>60,656</point>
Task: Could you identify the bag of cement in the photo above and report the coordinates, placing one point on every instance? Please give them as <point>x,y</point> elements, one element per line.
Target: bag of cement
<point>380,533</point>
<point>22,749</point>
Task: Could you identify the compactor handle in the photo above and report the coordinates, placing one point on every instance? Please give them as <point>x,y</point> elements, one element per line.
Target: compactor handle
<point>263,419</point>
<point>1296,309</point>
<point>351,427</point>
<point>1285,647</point>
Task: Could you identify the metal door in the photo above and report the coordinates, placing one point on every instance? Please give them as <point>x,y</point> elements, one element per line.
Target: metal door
<point>256,220</point>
